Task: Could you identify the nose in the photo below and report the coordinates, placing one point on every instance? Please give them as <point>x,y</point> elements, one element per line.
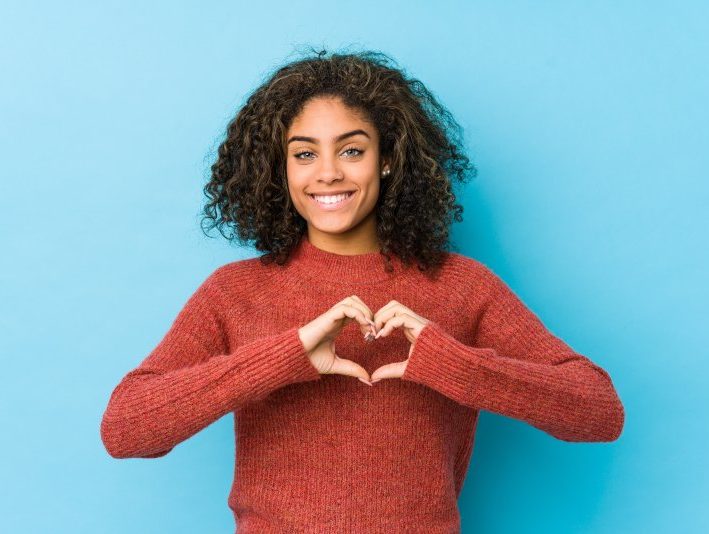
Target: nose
<point>330,170</point>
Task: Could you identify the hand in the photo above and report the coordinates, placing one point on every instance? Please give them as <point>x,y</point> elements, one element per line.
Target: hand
<point>318,337</point>
<point>395,315</point>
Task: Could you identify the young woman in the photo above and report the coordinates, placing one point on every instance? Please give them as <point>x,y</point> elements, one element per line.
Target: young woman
<point>340,168</point>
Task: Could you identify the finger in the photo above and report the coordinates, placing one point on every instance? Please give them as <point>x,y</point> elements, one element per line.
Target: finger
<point>381,316</point>
<point>367,310</point>
<point>391,324</point>
<point>394,308</point>
<point>343,366</point>
<point>352,312</point>
<point>356,302</point>
<point>390,370</point>
<point>387,312</point>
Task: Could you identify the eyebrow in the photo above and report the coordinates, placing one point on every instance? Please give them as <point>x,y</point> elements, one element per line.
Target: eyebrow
<point>335,139</point>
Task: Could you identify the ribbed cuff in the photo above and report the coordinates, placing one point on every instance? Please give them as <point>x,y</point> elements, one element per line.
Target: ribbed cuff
<point>284,361</point>
<point>443,363</point>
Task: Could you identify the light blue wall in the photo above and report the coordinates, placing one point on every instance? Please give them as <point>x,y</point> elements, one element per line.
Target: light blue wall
<point>587,120</point>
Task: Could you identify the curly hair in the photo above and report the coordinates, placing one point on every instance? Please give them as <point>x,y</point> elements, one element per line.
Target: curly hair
<point>248,198</point>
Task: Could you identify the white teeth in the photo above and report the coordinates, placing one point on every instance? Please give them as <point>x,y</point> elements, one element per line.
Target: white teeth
<point>331,199</point>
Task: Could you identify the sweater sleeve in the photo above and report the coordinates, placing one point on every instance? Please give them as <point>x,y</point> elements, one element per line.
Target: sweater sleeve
<point>519,369</point>
<point>191,379</point>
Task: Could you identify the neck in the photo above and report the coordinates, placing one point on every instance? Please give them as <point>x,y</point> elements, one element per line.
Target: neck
<point>359,240</point>
<point>323,265</point>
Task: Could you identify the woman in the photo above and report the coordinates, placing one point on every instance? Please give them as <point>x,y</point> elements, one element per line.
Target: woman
<point>340,168</point>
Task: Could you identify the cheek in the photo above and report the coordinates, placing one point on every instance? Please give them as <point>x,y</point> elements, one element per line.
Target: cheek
<point>297,182</point>
<point>297,178</point>
<point>368,180</point>
<point>366,172</point>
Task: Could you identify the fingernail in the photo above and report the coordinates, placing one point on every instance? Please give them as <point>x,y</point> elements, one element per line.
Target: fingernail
<point>377,335</point>
<point>376,380</point>
<point>363,380</point>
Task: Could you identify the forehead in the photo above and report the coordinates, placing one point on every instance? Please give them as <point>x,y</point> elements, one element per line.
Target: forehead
<point>328,114</point>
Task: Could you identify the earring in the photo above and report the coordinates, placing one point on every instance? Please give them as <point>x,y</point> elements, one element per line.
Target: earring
<point>386,173</point>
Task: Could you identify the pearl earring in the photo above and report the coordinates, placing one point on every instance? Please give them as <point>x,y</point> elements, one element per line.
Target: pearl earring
<point>386,173</point>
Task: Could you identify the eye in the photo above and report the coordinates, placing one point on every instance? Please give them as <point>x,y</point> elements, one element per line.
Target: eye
<point>357,150</point>
<point>298,154</point>
<point>353,152</point>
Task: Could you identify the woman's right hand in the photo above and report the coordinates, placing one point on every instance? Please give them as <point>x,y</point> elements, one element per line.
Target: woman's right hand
<point>318,337</point>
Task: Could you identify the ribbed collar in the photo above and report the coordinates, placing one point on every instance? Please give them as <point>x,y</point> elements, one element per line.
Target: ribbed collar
<point>319,264</point>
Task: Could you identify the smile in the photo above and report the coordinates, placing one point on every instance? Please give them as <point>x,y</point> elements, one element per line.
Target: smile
<point>329,203</point>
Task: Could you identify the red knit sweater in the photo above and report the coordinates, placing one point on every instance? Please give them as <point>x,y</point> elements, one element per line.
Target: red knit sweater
<point>327,453</point>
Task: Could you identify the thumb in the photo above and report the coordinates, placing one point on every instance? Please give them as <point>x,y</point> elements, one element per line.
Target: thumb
<point>390,370</point>
<point>342,366</point>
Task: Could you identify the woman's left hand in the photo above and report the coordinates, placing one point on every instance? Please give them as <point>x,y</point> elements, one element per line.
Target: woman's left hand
<point>387,318</point>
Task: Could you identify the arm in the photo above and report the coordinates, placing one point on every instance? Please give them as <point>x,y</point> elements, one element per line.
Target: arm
<point>191,379</point>
<point>519,369</point>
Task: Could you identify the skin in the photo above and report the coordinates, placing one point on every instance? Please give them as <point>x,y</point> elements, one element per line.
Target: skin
<point>322,163</point>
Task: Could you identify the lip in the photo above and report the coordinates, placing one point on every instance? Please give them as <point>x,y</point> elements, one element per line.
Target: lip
<point>335,206</point>
<point>335,192</point>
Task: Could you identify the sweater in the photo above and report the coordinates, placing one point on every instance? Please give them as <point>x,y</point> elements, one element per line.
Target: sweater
<point>327,453</point>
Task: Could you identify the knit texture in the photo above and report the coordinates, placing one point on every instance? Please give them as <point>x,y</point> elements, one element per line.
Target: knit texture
<point>327,453</point>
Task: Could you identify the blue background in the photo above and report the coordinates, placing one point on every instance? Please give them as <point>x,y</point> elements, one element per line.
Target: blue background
<point>587,121</point>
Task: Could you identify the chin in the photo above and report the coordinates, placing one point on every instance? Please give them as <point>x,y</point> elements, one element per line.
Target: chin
<point>331,228</point>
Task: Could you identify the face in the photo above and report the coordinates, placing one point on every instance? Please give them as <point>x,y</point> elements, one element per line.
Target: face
<point>332,149</point>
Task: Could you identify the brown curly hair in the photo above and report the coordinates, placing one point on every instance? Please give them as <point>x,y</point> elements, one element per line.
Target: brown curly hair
<point>248,198</point>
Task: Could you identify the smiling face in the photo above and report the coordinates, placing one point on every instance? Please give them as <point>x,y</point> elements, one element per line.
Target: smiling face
<point>333,149</point>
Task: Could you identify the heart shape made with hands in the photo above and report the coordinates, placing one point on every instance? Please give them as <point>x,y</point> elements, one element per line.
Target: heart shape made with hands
<point>390,316</point>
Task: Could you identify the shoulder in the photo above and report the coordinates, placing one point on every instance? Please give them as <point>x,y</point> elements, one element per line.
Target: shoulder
<point>472,279</point>
<point>469,271</point>
<point>236,274</point>
<point>247,284</point>
<point>238,267</point>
